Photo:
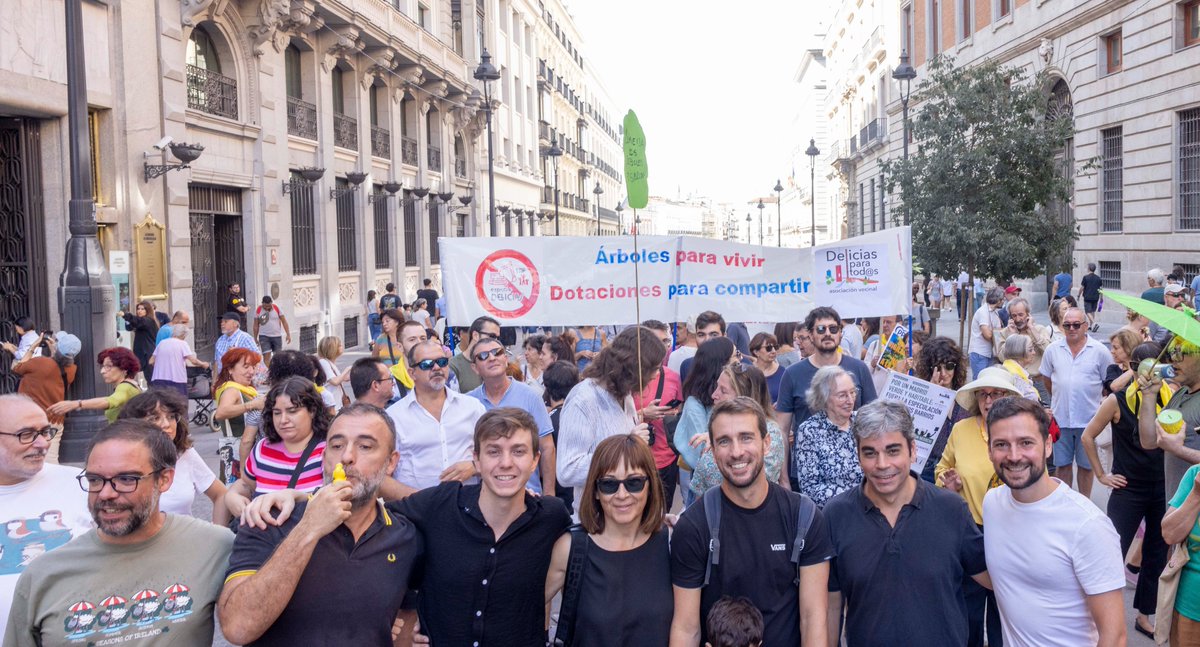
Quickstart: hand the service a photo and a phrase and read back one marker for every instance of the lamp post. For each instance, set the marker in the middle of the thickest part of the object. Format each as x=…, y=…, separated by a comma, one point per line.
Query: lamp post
x=812, y=153
x=86, y=297
x=779, y=212
x=554, y=152
x=761, y=206
x=597, y=192
x=904, y=74
x=486, y=72
x=747, y=227
x=621, y=217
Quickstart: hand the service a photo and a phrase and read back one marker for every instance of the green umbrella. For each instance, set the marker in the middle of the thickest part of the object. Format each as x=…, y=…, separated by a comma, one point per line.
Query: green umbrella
x=1181, y=322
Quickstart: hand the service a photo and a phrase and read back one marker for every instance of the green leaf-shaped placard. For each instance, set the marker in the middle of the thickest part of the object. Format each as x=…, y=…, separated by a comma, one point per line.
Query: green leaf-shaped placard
x=636, y=170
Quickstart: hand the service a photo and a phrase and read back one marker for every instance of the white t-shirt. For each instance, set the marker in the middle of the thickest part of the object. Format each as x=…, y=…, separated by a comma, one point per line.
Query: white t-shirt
x=39, y=515
x=947, y=288
x=192, y=477
x=1044, y=558
x=679, y=355
x=984, y=316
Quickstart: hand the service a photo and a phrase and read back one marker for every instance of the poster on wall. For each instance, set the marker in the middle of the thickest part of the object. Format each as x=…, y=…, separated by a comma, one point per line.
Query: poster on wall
x=118, y=269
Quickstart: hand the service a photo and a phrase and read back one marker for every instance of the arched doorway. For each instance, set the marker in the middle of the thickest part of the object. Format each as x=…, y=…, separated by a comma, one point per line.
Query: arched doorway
x=1060, y=106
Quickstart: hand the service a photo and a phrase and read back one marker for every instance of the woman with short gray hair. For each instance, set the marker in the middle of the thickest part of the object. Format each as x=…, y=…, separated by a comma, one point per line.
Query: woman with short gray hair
x=824, y=450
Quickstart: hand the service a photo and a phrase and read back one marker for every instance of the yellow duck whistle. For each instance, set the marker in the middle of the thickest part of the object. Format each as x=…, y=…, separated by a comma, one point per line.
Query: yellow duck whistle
x=339, y=473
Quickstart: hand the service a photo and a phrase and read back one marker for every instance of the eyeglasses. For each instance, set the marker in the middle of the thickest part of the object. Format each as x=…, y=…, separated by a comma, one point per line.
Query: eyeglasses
x=946, y=367
x=846, y=395
x=484, y=356
x=27, y=436
x=121, y=483
x=1175, y=353
x=832, y=329
x=991, y=395
x=1072, y=325
x=428, y=364
x=609, y=485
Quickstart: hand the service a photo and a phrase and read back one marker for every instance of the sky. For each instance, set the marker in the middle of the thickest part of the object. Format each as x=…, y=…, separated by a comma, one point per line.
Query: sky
x=711, y=82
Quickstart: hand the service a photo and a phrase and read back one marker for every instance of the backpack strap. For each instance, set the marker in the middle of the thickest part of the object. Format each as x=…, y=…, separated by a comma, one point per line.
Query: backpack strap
x=576, y=561
x=808, y=510
x=712, y=515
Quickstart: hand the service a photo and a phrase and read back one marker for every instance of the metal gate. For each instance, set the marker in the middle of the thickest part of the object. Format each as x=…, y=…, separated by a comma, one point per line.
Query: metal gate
x=23, y=288
x=217, y=260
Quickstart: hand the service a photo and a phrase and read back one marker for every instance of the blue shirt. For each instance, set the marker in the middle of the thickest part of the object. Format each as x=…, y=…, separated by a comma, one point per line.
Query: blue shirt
x=164, y=332
x=239, y=339
x=523, y=397
x=1064, y=284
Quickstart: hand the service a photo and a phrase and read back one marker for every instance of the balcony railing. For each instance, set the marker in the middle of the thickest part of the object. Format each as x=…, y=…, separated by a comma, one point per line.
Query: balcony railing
x=302, y=118
x=460, y=167
x=381, y=142
x=544, y=131
x=408, y=150
x=211, y=92
x=345, y=131
x=434, y=159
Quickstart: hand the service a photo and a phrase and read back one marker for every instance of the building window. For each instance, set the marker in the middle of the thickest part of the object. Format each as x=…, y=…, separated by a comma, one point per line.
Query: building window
x=304, y=228
x=350, y=332
x=1189, y=169
x=862, y=209
x=338, y=81
x=346, y=234
x=208, y=90
x=1190, y=270
x=966, y=22
x=1191, y=22
x=906, y=29
x=1112, y=182
x=410, y=229
x=461, y=225
x=882, y=203
x=308, y=338
x=94, y=137
x=1112, y=52
x=933, y=35
x=1003, y=8
x=291, y=66
x=423, y=16
x=1110, y=275
x=383, y=243
x=874, y=217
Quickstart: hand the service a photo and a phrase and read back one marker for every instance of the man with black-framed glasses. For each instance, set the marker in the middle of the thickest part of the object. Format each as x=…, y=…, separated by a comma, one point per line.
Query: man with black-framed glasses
x=371, y=382
x=141, y=573
x=43, y=508
x=434, y=424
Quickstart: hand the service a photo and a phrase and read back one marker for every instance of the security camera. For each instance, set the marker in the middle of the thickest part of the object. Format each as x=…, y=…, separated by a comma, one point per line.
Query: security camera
x=164, y=142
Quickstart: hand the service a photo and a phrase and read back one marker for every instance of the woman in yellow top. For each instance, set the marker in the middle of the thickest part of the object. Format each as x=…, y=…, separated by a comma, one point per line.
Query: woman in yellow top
x=966, y=468
x=118, y=365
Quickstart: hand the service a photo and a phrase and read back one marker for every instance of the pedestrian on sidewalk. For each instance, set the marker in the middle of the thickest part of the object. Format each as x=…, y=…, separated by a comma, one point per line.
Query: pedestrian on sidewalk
x=1089, y=293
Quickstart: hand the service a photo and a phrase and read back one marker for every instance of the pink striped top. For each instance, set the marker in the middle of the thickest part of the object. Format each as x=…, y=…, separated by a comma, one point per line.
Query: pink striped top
x=271, y=466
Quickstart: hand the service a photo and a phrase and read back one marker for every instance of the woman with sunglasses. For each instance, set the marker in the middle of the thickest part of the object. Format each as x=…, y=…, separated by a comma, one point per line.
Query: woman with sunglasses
x=1137, y=481
x=624, y=593
x=941, y=362
x=966, y=468
x=741, y=380
x=167, y=410
x=118, y=367
x=765, y=350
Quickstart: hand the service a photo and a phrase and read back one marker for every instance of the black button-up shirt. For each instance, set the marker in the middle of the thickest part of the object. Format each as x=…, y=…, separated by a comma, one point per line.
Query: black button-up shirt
x=477, y=591
x=904, y=580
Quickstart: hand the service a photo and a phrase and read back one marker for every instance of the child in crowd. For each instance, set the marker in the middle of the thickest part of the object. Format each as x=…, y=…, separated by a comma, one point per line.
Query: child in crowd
x=734, y=622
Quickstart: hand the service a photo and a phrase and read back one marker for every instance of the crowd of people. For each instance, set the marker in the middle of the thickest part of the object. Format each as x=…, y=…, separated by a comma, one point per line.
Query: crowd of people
x=426, y=494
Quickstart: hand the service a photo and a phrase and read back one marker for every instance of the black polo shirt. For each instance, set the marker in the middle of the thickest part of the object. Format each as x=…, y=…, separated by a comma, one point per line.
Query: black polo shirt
x=476, y=591
x=907, y=580
x=349, y=593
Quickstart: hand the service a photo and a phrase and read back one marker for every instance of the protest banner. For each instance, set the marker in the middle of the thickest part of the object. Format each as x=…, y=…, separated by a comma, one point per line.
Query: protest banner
x=896, y=350
x=567, y=281
x=929, y=405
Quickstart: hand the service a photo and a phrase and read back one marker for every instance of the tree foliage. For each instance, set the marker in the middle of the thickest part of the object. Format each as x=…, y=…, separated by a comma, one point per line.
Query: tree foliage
x=982, y=172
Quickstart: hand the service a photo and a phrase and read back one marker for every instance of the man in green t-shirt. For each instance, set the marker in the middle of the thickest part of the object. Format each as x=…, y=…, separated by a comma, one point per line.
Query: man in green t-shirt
x=141, y=576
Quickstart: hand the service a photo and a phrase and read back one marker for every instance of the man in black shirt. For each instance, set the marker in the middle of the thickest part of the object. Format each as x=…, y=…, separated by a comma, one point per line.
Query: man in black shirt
x=903, y=546
x=340, y=555
x=757, y=532
x=430, y=295
x=235, y=302
x=1089, y=293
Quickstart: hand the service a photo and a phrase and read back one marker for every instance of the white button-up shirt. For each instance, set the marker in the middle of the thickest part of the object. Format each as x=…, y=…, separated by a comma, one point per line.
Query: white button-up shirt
x=1076, y=379
x=427, y=445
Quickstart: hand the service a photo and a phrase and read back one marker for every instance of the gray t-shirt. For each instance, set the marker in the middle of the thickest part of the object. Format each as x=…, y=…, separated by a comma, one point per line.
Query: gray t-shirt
x=268, y=321
x=158, y=592
x=1174, y=467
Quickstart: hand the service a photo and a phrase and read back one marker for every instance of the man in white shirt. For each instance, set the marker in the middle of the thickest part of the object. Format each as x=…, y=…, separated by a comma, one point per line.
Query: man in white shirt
x=435, y=425
x=43, y=506
x=1054, y=558
x=685, y=345
x=1073, y=370
x=983, y=326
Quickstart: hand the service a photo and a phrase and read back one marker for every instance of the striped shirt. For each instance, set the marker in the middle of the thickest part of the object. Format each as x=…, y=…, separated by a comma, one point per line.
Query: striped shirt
x=271, y=466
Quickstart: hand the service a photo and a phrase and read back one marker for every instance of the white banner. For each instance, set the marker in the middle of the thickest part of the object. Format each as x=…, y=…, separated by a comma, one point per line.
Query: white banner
x=929, y=405
x=568, y=281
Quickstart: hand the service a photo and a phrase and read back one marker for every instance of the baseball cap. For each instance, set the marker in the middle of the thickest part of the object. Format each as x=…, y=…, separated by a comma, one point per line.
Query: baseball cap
x=231, y=316
x=1174, y=288
x=1012, y=289
x=68, y=344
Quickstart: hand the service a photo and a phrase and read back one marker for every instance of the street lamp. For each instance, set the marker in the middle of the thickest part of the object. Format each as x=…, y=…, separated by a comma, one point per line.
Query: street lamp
x=554, y=152
x=812, y=153
x=761, y=206
x=779, y=212
x=597, y=192
x=904, y=74
x=621, y=216
x=486, y=72
x=747, y=227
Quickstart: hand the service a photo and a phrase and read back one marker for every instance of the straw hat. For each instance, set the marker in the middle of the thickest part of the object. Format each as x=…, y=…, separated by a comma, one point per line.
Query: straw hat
x=992, y=377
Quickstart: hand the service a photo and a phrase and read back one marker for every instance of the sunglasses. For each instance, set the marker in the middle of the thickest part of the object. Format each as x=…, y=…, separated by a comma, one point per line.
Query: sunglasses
x=428, y=364
x=1176, y=353
x=947, y=367
x=832, y=329
x=633, y=484
x=770, y=348
x=484, y=356
x=1072, y=325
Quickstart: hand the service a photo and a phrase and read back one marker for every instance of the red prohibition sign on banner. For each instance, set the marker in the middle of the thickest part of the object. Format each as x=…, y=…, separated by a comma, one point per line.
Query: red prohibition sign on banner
x=507, y=284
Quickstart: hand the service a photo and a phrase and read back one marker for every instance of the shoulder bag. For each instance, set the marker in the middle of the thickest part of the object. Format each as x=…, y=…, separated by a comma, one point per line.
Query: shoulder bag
x=1168, y=587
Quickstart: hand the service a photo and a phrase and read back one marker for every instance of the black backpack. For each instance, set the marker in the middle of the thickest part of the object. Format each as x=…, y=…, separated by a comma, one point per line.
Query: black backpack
x=712, y=515
x=576, y=561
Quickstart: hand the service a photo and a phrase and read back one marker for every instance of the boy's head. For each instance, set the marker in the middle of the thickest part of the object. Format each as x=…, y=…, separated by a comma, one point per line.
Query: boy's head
x=734, y=622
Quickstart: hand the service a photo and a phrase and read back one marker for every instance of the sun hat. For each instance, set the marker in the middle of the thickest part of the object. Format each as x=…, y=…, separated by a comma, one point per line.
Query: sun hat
x=68, y=344
x=992, y=377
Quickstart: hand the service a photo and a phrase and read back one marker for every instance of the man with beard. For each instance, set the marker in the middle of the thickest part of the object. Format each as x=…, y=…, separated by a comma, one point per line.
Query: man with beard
x=32, y=492
x=134, y=548
x=757, y=542
x=1020, y=322
x=1048, y=547
x=878, y=528
x=339, y=555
